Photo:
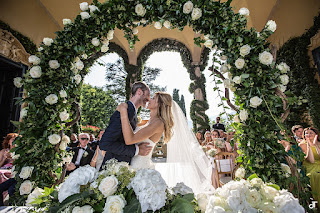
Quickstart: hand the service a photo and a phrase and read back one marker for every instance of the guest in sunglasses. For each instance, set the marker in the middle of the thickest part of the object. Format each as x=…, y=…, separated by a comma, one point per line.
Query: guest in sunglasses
x=82, y=154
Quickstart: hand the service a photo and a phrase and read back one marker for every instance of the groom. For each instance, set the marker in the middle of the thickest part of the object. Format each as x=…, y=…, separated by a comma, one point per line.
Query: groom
x=112, y=142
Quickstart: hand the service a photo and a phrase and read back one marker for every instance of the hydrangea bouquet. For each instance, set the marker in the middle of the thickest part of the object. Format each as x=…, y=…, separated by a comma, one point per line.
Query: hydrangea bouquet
x=220, y=143
x=115, y=189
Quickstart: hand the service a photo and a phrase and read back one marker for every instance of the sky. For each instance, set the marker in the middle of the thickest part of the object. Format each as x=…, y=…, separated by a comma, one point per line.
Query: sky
x=173, y=75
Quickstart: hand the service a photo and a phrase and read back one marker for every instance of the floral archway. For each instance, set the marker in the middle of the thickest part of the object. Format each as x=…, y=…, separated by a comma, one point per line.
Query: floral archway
x=53, y=83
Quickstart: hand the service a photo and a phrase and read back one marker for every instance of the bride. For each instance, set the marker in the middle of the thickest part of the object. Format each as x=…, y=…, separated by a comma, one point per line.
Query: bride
x=186, y=162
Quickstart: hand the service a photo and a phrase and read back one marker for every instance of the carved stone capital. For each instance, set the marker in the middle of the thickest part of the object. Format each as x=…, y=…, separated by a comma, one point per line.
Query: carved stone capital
x=11, y=48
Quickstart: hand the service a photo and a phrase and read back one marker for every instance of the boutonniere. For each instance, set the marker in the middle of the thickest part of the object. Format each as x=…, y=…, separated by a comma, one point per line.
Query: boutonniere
x=85, y=154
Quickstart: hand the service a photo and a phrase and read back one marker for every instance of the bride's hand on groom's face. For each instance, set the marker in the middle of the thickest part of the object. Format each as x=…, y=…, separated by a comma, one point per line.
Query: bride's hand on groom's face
x=123, y=107
x=144, y=149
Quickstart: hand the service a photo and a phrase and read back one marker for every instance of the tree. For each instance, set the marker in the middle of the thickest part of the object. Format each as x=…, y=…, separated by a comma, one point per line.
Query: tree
x=180, y=101
x=116, y=75
x=97, y=106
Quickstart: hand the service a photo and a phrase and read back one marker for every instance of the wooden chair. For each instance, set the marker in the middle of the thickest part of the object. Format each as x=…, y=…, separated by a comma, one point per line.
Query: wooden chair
x=224, y=164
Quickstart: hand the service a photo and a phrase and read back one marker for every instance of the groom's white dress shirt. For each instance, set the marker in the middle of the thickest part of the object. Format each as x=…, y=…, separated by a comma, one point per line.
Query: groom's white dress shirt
x=80, y=153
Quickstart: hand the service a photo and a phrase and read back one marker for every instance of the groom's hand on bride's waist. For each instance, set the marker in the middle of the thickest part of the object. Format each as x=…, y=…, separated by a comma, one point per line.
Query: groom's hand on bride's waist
x=144, y=149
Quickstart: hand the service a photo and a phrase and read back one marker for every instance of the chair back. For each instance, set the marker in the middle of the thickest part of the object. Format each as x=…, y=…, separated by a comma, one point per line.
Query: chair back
x=224, y=164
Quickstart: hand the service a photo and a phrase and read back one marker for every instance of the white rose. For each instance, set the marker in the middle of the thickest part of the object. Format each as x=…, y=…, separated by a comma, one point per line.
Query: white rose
x=223, y=57
x=35, y=72
x=283, y=67
x=258, y=34
x=54, y=64
x=265, y=58
x=47, y=41
x=240, y=173
x=17, y=82
x=63, y=94
x=23, y=113
x=256, y=182
x=271, y=25
x=286, y=169
x=135, y=31
x=244, y=11
x=65, y=139
x=140, y=10
x=52, y=99
x=208, y=43
x=202, y=199
x=196, y=14
x=245, y=50
x=284, y=79
x=40, y=49
x=167, y=24
x=77, y=78
x=217, y=201
x=36, y=193
x=268, y=207
x=157, y=25
x=243, y=115
x=95, y=42
x=64, y=115
x=227, y=83
x=79, y=65
x=114, y=204
x=25, y=187
x=26, y=172
x=84, y=6
x=54, y=139
x=85, y=15
x=33, y=59
x=187, y=7
x=255, y=101
x=110, y=34
x=63, y=145
x=282, y=88
x=93, y=8
x=104, y=48
x=67, y=159
x=66, y=21
x=236, y=119
x=253, y=197
x=77, y=209
x=206, y=37
x=143, y=21
x=108, y=185
x=224, y=68
x=239, y=63
x=237, y=79
x=84, y=56
x=269, y=192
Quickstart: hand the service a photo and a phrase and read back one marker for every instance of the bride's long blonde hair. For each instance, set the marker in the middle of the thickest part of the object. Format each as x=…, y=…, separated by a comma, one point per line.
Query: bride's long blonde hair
x=164, y=112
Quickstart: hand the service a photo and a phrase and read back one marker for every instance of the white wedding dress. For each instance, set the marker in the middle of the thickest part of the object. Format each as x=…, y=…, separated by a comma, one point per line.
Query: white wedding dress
x=186, y=161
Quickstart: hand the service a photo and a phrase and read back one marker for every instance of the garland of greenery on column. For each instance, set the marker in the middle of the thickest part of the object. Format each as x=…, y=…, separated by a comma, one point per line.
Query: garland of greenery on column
x=197, y=108
x=303, y=84
x=26, y=42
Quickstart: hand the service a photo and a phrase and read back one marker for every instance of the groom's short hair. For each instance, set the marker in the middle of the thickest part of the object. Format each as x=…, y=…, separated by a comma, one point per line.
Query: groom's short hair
x=138, y=85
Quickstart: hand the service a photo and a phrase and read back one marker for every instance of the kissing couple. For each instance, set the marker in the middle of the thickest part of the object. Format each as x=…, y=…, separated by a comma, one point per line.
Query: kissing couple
x=122, y=140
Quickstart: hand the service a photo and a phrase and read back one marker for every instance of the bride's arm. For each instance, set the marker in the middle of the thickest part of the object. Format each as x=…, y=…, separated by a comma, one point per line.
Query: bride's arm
x=129, y=136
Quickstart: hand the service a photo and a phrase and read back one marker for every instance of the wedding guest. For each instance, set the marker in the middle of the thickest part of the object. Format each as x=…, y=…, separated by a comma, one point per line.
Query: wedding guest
x=82, y=154
x=74, y=140
x=207, y=138
x=222, y=134
x=297, y=131
x=199, y=137
x=93, y=142
x=229, y=138
x=5, y=155
x=218, y=125
x=311, y=147
x=8, y=185
x=97, y=159
x=214, y=135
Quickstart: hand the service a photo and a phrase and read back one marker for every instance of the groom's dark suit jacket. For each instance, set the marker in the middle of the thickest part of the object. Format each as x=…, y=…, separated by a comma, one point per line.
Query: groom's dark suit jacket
x=112, y=140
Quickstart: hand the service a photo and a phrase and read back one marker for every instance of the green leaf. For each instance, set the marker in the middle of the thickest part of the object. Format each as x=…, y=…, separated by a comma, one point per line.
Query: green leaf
x=253, y=176
x=274, y=186
x=239, y=39
x=245, y=75
x=181, y=205
x=15, y=123
x=69, y=201
x=189, y=197
x=229, y=42
x=133, y=206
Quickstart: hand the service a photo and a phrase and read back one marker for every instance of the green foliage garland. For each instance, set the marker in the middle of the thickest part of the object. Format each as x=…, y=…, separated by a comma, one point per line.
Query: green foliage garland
x=88, y=34
x=295, y=53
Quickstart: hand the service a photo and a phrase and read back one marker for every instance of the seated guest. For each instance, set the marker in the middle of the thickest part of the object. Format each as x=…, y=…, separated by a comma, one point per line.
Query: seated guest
x=222, y=134
x=214, y=135
x=229, y=138
x=199, y=137
x=93, y=142
x=74, y=140
x=207, y=138
x=218, y=125
x=8, y=185
x=311, y=147
x=82, y=154
x=5, y=155
x=297, y=131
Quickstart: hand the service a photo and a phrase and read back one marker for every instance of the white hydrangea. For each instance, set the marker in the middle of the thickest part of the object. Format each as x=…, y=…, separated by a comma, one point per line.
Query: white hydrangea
x=245, y=50
x=18, y=82
x=255, y=101
x=47, y=41
x=84, y=6
x=284, y=79
x=265, y=58
x=244, y=11
x=269, y=192
x=239, y=63
x=254, y=198
x=182, y=189
x=66, y=21
x=54, y=139
x=33, y=59
x=54, y=64
x=140, y=10
x=157, y=25
x=282, y=88
x=240, y=173
x=196, y=14
x=243, y=115
x=51, y=99
x=35, y=72
x=271, y=25
x=84, y=15
x=95, y=42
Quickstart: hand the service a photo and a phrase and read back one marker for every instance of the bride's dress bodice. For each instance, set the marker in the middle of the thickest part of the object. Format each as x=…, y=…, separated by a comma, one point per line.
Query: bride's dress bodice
x=143, y=162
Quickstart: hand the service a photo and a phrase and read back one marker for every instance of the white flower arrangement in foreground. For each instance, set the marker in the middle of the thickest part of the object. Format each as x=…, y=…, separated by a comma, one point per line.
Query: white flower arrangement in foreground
x=252, y=196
